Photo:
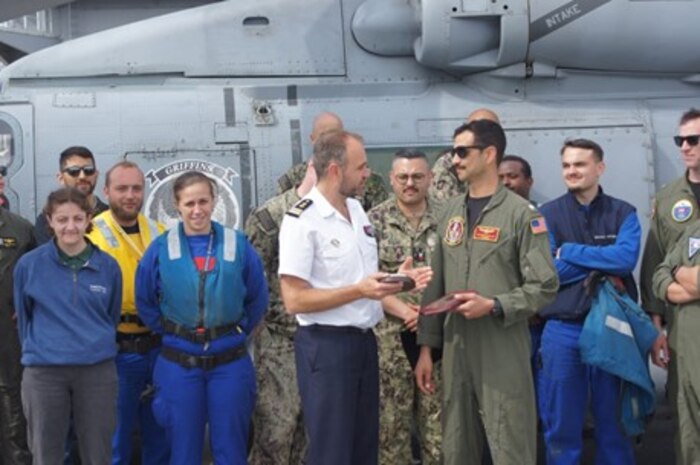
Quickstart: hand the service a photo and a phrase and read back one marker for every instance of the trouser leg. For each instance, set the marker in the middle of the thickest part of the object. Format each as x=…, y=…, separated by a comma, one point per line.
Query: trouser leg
x=180, y=407
x=612, y=446
x=366, y=432
x=563, y=393
x=429, y=420
x=13, y=426
x=130, y=371
x=688, y=411
x=95, y=410
x=230, y=401
x=155, y=449
x=46, y=401
x=277, y=415
x=334, y=374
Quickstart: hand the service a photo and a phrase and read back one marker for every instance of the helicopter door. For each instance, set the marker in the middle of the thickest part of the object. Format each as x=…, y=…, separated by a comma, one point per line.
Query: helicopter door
x=231, y=168
x=16, y=152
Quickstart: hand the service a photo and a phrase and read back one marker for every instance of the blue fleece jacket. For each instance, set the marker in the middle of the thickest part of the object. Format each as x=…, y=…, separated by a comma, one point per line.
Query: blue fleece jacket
x=67, y=317
x=149, y=292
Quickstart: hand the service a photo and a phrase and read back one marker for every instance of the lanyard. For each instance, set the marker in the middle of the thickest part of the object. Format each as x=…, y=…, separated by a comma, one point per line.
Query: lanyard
x=126, y=237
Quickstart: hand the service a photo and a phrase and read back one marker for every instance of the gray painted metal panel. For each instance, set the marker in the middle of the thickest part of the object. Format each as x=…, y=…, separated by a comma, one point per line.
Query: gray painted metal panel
x=10, y=9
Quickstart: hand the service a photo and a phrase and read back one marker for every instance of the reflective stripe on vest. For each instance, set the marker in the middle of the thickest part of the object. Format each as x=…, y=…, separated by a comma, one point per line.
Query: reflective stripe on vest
x=107, y=232
x=230, y=241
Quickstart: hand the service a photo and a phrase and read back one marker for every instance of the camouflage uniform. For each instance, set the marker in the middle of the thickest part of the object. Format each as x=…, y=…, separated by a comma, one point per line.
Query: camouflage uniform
x=397, y=240
x=278, y=429
x=375, y=191
x=445, y=183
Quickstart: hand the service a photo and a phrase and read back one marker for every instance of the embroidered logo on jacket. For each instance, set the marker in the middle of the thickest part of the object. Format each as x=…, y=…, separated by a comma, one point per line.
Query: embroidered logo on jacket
x=455, y=231
x=486, y=233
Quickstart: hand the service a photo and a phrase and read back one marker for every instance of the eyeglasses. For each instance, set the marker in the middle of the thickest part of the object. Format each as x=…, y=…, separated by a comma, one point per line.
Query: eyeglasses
x=691, y=140
x=415, y=177
x=74, y=171
x=3, y=171
x=463, y=150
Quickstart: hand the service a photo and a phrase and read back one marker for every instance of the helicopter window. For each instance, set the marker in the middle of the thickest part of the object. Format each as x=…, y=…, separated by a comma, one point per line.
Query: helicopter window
x=6, y=143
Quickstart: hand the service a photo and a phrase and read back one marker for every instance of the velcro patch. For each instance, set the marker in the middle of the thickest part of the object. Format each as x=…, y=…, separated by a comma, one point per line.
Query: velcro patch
x=266, y=222
x=299, y=207
x=486, y=233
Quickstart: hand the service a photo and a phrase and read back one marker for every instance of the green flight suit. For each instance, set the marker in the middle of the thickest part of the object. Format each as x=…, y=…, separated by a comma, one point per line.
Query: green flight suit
x=486, y=361
x=397, y=240
x=277, y=423
x=445, y=184
x=683, y=340
x=375, y=190
x=16, y=238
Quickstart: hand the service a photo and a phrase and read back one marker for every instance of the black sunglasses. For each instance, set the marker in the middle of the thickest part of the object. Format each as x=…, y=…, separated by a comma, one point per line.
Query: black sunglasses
x=74, y=171
x=3, y=171
x=691, y=140
x=463, y=150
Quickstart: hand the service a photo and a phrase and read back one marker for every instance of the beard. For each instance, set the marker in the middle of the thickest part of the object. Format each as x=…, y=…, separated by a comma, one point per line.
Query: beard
x=125, y=216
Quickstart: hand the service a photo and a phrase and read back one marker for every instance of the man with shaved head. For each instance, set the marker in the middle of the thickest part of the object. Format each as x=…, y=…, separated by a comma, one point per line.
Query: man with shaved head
x=445, y=183
x=375, y=191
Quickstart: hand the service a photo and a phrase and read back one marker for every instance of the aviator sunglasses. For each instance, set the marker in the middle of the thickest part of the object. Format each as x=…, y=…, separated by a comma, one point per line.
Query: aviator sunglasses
x=463, y=150
x=74, y=171
x=691, y=140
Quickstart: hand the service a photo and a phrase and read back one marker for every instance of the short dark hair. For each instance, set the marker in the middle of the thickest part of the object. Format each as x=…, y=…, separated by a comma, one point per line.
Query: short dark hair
x=486, y=133
x=690, y=115
x=410, y=154
x=192, y=177
x=526, y=168
x=122, y=164
x=68, y=195
x=584, y=144
x=75, y=151
x=332, y=147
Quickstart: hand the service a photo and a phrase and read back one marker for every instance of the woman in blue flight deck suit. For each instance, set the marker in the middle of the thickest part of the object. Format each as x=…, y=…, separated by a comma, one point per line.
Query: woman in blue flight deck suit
x=202, y=286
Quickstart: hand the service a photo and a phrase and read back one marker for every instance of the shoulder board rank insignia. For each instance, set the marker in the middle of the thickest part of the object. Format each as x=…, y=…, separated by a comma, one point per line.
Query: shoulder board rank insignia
x=8, y=242
x=266, y=222
x=486, y=233
x=538, y=225
x=454, y=233
x=682, y=211
x=693, y=246
x=299, y=207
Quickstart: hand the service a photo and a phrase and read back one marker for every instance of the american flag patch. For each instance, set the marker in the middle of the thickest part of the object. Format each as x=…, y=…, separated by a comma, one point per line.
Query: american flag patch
x=538, y=226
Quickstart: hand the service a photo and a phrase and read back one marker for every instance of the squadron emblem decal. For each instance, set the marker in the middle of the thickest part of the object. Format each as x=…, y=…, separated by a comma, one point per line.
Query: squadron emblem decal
x=682, y=210
x=455, y=231
x=160, y=204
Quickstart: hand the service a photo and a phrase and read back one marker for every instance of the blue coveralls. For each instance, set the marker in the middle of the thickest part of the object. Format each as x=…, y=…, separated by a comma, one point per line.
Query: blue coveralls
x=234, y=291
x=605, y=236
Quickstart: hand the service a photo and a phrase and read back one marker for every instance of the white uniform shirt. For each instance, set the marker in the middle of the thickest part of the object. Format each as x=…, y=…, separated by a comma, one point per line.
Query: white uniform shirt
x=324, y=249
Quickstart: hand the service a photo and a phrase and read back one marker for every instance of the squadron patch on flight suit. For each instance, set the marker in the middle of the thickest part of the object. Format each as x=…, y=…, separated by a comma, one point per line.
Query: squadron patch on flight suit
x=266, y=221
x=486, y=233
x=682, y=211
x=693, y=246
x=8, y=242
x=455, y=231
x=299, y=207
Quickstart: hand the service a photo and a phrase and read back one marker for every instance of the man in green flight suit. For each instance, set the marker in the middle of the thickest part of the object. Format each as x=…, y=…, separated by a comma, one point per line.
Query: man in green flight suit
x=279, y=435
x=375, y=190
x=494, y=251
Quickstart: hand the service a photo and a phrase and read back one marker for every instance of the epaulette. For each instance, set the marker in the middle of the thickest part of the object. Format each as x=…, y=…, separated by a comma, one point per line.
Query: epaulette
x=299, y=207
x=266, y=222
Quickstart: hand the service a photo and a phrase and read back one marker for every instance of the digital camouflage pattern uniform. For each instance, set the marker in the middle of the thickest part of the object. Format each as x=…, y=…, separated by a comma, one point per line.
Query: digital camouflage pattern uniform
x=279, y=436
x=675, y=208
x=16, y=238
x=375, y=190
x=397, y=240
x=486, y=370
x=445, y=184
x=683, y=339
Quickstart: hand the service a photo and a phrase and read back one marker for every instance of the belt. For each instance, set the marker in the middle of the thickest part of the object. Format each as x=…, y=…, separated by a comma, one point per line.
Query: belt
x=131, y=318
x=138, y=343
x=337, y=329
x=200, y=335
x=205, y=362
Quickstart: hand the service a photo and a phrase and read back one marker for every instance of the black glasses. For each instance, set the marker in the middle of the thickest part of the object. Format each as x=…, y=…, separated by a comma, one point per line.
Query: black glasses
x=463, y=150
x=691, y=140
x=3, y=171
x=403, y=178
x=74, y=171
